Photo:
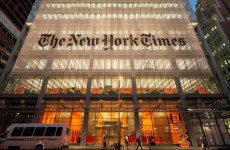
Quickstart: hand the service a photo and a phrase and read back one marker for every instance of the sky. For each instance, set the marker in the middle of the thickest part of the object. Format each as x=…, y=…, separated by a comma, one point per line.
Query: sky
x=193, y=3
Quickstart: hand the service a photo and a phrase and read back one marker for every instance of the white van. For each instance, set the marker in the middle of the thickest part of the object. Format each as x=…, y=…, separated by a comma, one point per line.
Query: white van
x=35, y=136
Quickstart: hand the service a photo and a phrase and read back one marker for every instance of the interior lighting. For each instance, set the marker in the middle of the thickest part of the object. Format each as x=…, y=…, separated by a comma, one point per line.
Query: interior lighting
x=166, y=82
x=152, y=84
x=31, y=83
x=63, y=83
x=55, y=82
x=95, y=82
x=158, y=83
x=77, y=84
x=127, y=85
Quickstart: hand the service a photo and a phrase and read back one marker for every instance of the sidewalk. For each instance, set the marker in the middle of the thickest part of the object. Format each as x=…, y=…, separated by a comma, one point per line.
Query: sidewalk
x=132, y=147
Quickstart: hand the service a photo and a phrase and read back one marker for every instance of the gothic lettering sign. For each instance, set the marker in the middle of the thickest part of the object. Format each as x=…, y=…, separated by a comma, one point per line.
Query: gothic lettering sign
x=109, y=41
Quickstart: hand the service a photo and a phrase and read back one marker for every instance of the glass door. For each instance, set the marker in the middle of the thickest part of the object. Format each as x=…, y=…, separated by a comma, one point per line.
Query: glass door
x=110, y=131
x=212, y=134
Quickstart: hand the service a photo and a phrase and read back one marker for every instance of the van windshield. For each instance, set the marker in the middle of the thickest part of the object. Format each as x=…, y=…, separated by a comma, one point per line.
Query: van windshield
x=4, y=135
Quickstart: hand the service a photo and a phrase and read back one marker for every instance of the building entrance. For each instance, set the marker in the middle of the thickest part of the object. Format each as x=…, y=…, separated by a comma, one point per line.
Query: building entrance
x=109, y=131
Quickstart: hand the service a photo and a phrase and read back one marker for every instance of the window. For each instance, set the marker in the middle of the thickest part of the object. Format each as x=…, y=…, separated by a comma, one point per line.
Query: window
x=39, y=131
x=111, y=85
x=50, y=131
x=17, y=131
x=29, y=85
x=28, y=131
x=156, y=64
x=67, y=85
x=199, y=86
x=155, y=85
x=59, y=131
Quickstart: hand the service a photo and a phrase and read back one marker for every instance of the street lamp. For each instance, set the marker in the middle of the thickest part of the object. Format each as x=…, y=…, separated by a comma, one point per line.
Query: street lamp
x=119, y=106
x=119, y=120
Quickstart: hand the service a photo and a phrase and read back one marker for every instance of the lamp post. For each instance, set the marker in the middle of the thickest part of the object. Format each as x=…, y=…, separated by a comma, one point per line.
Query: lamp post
x=119, y=120
x=119, y=107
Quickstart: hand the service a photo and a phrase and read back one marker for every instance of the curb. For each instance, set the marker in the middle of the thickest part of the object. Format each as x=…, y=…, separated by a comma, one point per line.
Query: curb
x=132, y=147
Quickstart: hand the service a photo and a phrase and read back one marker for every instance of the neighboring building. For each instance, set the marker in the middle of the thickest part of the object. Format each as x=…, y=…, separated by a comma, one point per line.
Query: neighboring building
x=214, y=20
x=13, y=14
x=123, y=67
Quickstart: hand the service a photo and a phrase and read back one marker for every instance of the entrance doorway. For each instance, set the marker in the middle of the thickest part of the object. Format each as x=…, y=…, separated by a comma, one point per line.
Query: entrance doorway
x=106, y=120
x=110, y=129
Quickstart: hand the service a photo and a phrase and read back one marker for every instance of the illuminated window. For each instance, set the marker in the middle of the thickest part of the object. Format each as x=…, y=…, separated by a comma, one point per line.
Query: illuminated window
x=29, y=85
x=111, y=64
x=39, y=64
x=199, y=85
x=67, y=85
x=156, y=64
x=70, y=64
x=111, y=85
x=155, y=85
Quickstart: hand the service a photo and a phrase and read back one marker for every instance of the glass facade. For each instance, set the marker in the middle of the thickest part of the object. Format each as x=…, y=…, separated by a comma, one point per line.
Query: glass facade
x=24, y=85
x=66, y=85
x=114, y=68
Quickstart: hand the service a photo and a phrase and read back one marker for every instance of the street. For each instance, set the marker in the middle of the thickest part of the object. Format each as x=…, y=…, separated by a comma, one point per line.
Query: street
x=132, y=147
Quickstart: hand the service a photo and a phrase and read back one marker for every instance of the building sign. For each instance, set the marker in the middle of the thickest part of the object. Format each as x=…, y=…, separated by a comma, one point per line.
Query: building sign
x=109, y=41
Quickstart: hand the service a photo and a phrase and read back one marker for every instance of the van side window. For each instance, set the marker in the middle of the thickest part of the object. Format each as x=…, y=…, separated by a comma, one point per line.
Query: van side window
x=28, y=131
x=17, y=131
x=39, y=131
x=59, y=131
x=50, y=131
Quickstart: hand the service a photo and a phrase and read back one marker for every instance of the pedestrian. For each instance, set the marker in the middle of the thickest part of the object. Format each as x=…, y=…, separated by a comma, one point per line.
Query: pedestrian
x=104, y=141
x=171, y=117
x=127, y=141
x=151, y=141
x=139, y=142
x=204, y=143
x=78, y=140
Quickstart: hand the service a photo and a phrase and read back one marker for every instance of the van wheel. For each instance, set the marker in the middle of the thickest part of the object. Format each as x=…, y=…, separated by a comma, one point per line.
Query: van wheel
x=39, y=147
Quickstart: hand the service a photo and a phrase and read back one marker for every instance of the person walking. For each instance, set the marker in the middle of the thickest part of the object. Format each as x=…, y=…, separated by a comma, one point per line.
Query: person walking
x=127, y=141
x=104, y=141
x=139, y=142
x=204, y=143
x=151, y=141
